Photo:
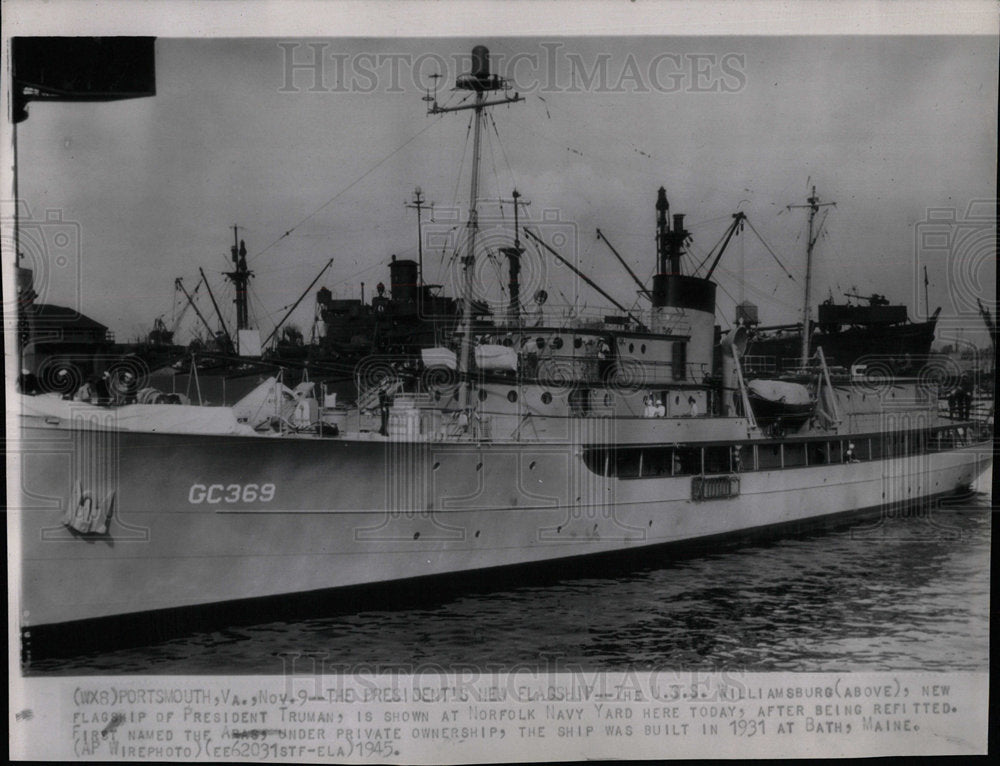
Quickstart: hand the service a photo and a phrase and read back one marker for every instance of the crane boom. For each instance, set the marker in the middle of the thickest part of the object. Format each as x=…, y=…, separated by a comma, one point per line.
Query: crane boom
x=583, y=276
x=186, y=306
x=191, y=303
x=642, y=288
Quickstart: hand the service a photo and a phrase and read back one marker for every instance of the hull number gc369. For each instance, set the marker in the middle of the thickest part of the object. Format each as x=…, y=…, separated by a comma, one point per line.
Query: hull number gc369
x=230, y=493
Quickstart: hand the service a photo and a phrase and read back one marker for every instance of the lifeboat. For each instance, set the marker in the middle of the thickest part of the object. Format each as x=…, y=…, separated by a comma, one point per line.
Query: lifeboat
x=779, y=401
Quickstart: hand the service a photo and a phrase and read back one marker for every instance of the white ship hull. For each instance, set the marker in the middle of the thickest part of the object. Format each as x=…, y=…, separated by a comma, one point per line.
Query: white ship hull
x=204, y=519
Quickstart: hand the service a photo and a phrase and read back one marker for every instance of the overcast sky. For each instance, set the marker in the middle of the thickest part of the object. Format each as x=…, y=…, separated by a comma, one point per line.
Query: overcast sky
x=888, y=127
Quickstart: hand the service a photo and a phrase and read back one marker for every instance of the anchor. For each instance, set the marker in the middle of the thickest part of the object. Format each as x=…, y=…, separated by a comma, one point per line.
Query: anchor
x=89, y=516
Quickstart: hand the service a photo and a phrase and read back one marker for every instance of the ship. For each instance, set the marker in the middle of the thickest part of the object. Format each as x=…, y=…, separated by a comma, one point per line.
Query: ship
x=847, y=332
x=522, y=444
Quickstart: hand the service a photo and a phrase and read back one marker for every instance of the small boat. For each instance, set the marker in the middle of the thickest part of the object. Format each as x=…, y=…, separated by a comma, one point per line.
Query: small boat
x=780, y=402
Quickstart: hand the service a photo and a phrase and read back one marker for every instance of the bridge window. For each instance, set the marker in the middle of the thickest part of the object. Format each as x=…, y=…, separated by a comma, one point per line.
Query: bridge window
x=628, y=463
x=863, y=449
x=717, y=459
x=817, y=453
x=795, y=454
x=657, y=461
x=599, y=461
x=687, y=461
x=875, y=446
x=836, y=453
x=769, y=456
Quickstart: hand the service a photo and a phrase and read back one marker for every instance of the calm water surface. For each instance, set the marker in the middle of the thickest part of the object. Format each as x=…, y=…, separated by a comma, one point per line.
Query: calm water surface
x=895, y=594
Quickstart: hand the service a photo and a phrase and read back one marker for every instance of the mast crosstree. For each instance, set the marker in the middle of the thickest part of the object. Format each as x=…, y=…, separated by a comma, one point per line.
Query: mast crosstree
x=480, y=82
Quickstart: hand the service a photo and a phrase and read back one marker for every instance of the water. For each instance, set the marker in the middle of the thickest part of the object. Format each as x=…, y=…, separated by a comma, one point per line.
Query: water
x=901, y=594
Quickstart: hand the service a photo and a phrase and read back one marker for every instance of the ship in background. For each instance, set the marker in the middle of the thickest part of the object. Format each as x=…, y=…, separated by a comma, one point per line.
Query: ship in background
x=848, y=333
x=530, y=443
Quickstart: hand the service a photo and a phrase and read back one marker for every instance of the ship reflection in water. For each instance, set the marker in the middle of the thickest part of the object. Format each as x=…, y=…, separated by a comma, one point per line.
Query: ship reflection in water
x=900, y=595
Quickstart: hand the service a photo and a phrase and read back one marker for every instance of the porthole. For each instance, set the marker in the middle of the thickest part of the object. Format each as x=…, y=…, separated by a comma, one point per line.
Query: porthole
x=436, y=466
x=512, y=396
x=631, y=348
x=531, y=465
x=577, y=342
x=557, y=342
x=546, y=397
x=416, y=535
x=540, y=342
x=642, y=348
x=479, y=466
x=477, y=533
x=482, y=394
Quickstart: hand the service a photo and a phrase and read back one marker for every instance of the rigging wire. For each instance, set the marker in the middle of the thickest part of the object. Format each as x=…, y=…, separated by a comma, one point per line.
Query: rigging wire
x=351, y=185
x=768, y=248
x=461, y=163
x=503, y=151
x=454, y=197
x=268, y=315
x=496, y=176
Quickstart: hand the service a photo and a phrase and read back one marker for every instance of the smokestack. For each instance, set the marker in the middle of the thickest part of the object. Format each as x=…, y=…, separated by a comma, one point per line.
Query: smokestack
x=676, y=243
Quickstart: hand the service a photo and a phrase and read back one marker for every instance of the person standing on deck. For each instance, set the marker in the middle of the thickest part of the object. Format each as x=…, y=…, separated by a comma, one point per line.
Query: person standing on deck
x=383, y=408
x=649, y=410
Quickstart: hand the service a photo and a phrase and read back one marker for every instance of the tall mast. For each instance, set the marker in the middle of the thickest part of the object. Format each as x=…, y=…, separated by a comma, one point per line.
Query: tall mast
x=480, y=82
x=814, y=205
x=240, y=277
x=418, y=204
x=513, y=255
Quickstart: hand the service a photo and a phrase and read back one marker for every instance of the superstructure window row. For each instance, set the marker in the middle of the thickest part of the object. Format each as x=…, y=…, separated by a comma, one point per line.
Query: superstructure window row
x=678, y=460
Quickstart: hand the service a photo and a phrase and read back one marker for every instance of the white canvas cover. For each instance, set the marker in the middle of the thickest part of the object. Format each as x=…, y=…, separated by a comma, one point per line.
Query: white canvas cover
x=151, y=418
x=439, y=357
x=271, y=398
x=248, y=342
x=782, y=391
x=490, y=356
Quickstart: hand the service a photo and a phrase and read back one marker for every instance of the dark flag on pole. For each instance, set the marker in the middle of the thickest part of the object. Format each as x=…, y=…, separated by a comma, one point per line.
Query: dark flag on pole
x=81, y=69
